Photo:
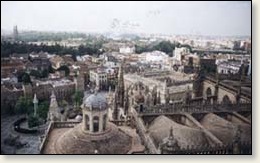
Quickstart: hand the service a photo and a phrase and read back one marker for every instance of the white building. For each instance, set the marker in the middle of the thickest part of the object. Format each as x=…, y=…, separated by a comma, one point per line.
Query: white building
x=98, y=76
x=127, y=50
x=83, y=58
x=179, y=53
x=226, y=67
x=157, y=57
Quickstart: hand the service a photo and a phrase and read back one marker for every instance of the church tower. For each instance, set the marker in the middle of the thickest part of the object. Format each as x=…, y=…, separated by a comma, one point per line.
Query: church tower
x=53, y=108
x=121, y=87
x=15, y=33
x=197, y=86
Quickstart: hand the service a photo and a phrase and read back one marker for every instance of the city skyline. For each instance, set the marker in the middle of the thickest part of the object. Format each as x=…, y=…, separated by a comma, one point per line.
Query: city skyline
x=200, y=18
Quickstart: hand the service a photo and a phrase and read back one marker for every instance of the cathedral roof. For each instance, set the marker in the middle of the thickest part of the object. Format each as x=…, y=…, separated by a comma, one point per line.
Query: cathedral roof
x=225, y=130
x=184, y=135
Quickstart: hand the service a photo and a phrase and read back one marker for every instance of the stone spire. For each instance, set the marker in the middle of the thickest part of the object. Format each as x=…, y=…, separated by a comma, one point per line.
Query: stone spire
x=171, y=145
x=76, y=82
x=170, y=135
x=126, y=104
x=167, y=96
x=197, y=82
x=217, y=84
x=165, y=85
x=166, y=92
x=109, y=90
x=238, y=92
x=53, y=107
x=148, y=99
x=146, y=90
x=187, y=96
x=115, y=110
x=35, y=102
x=121, y=87
x=96, y=90
x=154, y=95
x=172, y=142
x=53, y=102
x=159, y=98
x=236, y=141
x=238, y=134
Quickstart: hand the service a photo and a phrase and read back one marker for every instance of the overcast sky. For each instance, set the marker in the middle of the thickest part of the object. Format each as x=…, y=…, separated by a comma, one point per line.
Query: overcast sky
x=206, y=18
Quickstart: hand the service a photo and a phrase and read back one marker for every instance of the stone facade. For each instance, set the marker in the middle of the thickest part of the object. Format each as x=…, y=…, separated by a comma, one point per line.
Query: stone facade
x=210, y=97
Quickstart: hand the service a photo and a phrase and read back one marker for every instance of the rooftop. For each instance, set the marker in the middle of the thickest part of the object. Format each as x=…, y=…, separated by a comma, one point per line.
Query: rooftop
x=160, y=127
x=65, y=140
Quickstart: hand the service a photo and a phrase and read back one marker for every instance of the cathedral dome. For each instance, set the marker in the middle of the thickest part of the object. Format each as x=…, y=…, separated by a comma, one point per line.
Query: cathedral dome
x=96, y=102
x=76, y=141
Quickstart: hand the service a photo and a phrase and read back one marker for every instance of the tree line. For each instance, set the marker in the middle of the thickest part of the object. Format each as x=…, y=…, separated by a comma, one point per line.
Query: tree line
x=164, y=46
x=34, y=36
x=90, y=48
x=8, y=48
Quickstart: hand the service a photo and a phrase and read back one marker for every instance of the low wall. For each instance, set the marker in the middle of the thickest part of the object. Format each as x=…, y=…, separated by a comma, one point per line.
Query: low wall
x=17, y=127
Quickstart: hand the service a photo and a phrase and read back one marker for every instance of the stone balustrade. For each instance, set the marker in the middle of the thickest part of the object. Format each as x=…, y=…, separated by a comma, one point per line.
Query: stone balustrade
x=68, y=124
x=180, y=108
x=244, y=148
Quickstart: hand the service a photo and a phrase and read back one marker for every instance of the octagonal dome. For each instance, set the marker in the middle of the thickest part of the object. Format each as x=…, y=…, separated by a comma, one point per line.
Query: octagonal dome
x=96, y=101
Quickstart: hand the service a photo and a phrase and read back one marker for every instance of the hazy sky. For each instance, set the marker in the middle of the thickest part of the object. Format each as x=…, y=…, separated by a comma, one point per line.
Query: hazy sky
x=207, y=18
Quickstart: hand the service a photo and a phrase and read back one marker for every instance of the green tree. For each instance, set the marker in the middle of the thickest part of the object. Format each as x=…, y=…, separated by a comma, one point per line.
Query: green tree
x=92, y=47
x=43, y=110
x=26, y=78
x=33, y=121
x=165, y=46
x=23, y=105
x=35, y=73
x=44, y=73
x=187, y=46
x=77, y=98
x=140, y=49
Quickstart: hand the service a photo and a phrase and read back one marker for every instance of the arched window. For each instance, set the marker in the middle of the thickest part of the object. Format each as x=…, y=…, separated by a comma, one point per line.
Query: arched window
x=104, y=122
x=86, y=122
x=226, y=100
x=96, y=124
x=209, y=92
x=141, y=108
